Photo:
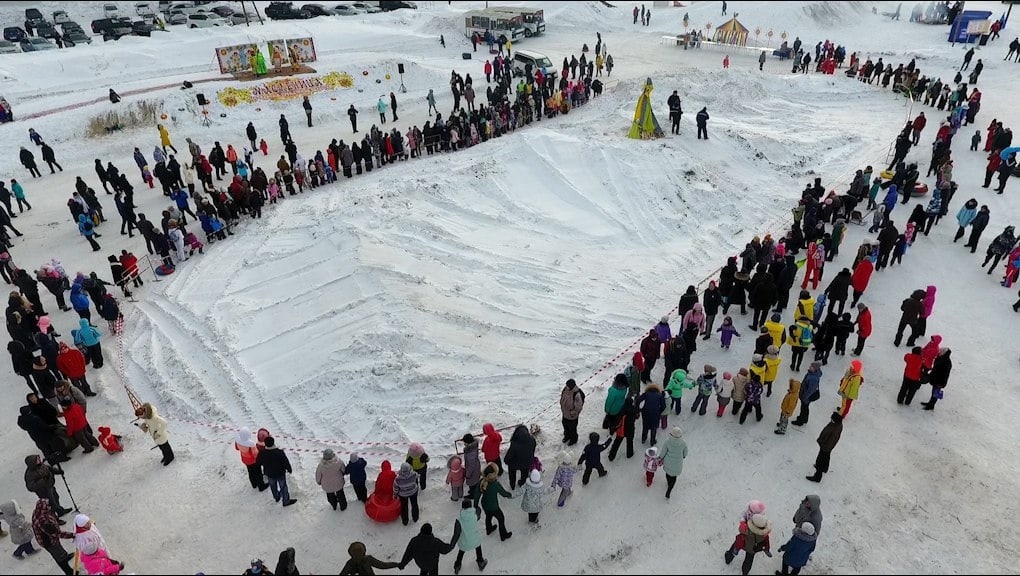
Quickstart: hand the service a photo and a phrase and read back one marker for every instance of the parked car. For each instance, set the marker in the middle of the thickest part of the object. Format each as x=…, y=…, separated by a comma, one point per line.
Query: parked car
x=14, y=34
x=346, y=10
x=66, y=27
x=110, y=10
x=59, y=17
x=34, y=16
x=8, y=47
x=286, y=11
x=142, y=28
x=318, y=10
x=366, y=7
x=111, y=28
x=223, y=11
x=143, y=9
x=37, y=45
x=175, y=17
x=206, y=20
x=388, y=5
x=76, y=36
x=537, y=60
x=45, y=30
x=238, y=18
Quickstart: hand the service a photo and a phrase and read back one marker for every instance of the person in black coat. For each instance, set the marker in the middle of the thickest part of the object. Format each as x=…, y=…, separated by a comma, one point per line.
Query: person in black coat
x=29, y=288
x=42, y=434
x=738, y=293
x=252, y=135
x=912, y=308
x=785, y=280
x=275, y=466
x=628, y=420
x=687, y=301
x=21, y=361
x=939, y=377
x=148, y=230
x=50, y=158
x=652, y=403
x=520, y=455
x=711, y=301
x=28, y=161
x=425, y=550
x=726, y=281
x=977, y=226
x=591, y=457
x=886, y=241
x=839, y=289
x=762, y=296
x=101, y=173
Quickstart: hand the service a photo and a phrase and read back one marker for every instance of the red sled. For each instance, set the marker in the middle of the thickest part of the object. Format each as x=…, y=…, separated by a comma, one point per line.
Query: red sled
x=919, y=190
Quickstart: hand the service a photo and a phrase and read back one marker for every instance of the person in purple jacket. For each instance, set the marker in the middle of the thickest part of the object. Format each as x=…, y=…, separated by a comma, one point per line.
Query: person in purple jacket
x=662, y=329
x=728, y=330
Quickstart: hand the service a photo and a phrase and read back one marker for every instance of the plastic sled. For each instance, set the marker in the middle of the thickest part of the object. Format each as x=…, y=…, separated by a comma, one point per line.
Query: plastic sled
x=164, y=270
x=919, y=190
x=887, y=174
x=382, y=510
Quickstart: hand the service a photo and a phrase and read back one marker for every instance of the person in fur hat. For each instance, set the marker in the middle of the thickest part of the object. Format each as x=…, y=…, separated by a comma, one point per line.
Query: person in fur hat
x=788, y=405
x=753, y=537
x=491, y=491
x=798, y=549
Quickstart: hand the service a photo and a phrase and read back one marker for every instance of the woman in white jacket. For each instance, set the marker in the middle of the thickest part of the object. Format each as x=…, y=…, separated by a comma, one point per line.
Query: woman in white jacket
x=177, y=237
x=155, y=426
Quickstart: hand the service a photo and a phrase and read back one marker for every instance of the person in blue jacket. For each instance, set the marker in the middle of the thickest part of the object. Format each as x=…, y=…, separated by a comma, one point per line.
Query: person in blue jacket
x=80, y=301
x=653, y=404
x=809, y=392
x=181, y=198
x=964, y=217
x=88, y=337
x=356, y=470
x=797, y=551
x=890, y=200
x=87, y=229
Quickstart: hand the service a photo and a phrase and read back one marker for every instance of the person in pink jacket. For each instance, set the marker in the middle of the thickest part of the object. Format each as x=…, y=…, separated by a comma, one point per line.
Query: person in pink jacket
x=930, y=351
x=1012, y=268
x=929, y=305
x=695, y=317
x=97, y=562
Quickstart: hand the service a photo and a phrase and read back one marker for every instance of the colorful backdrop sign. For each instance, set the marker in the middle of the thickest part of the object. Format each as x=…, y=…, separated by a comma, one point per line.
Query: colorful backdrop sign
x=234, y=59
x=303, y=48
x=282, y=89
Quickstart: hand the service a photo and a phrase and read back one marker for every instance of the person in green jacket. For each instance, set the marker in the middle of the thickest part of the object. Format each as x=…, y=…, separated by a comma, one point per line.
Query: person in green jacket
x=468, y=537
x=677, y=382
x=491, y=491
x=672, y=454
x=614, y=401
x=19, y=195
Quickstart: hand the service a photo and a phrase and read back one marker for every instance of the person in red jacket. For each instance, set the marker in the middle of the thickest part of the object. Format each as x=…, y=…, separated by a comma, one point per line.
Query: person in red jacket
x=78, y=425
x=918, y=126
x=491, y=444
x=109, y=441
x=232, y=156
x=249, y=450
x=860, y=278
x=71, y=363
x=911, y=376
x=994, y=161
x=863, y=327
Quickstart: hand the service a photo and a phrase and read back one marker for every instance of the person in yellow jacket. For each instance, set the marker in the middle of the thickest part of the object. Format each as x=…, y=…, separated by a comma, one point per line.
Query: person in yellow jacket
x=788, y=406
x=805, y=307
x=771, y=369
x=801, y=335
x=777, y=330
x=599, y=63
x=164, y=138
x=758, y=367
x=850, y=387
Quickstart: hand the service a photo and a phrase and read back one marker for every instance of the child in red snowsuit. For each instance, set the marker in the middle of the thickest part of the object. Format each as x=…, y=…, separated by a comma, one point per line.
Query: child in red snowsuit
x=109, y=441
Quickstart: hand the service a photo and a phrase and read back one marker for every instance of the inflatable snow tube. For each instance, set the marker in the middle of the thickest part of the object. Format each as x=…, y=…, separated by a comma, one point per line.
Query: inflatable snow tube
x=382, y=509
x=887, y=174
x=164, y=270
x=919, y=190
x=1011, y=150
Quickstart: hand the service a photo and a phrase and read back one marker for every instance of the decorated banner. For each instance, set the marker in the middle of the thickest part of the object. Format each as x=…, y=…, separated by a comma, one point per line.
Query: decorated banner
x=289, y=88
x=302, y=48
x=278, y=55
x=234, y=59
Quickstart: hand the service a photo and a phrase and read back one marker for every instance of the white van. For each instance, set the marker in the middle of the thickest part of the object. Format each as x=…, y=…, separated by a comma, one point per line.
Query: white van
x=538, y=62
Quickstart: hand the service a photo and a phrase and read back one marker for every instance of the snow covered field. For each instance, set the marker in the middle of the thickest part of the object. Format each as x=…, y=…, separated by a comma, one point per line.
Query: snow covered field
x=419, y=301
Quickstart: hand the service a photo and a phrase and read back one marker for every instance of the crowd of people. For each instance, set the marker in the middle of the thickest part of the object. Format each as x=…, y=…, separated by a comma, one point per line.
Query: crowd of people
x=761, y=278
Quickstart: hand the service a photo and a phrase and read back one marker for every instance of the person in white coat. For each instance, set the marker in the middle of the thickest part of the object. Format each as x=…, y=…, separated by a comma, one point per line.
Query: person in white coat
x=531, y=500
x=177, y=238
x=329, y=474
x=155, y=426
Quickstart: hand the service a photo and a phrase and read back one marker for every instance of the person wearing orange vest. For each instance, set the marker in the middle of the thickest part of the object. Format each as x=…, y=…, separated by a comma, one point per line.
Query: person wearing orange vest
x=232, y=158
x=245, y=444
x=850, y=387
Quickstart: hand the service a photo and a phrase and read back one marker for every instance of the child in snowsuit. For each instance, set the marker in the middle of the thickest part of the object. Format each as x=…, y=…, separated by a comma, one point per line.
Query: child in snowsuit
x=455, y=477
x=843, y=329
x=752, y=398
x=21, y=529
x=193, y=243
x=706, y=386
x=531, y=498
x=728, y=331
x=356, y=470
x=651, y=464
x=564, y=477
x=788, y=406
x=753, y=537
x=591, y=457
x=677, y=382
x=109, y=441
x=724, y=389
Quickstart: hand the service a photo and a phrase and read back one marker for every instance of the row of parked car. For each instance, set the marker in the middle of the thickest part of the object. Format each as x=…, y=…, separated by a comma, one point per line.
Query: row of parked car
x=287, y=10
